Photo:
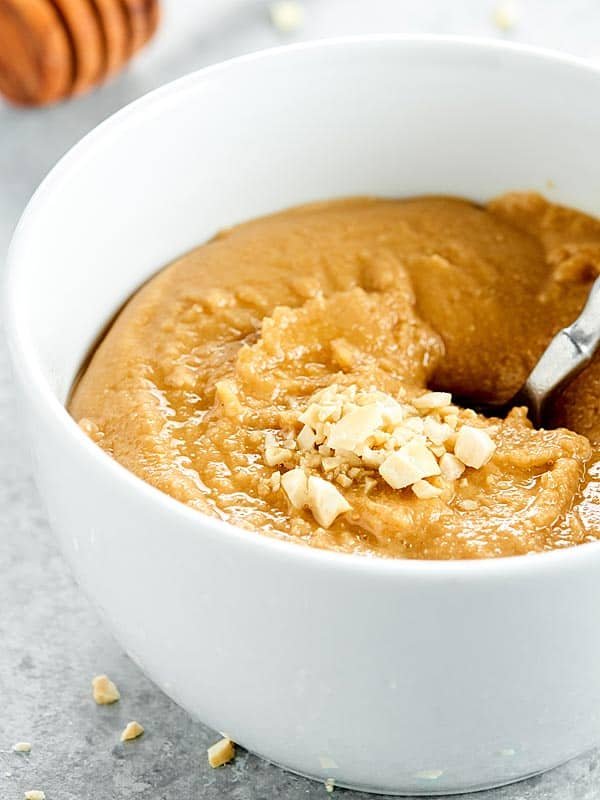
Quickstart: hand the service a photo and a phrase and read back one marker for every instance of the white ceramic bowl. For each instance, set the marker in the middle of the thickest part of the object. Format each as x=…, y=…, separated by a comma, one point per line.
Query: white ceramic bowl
x=394, y=676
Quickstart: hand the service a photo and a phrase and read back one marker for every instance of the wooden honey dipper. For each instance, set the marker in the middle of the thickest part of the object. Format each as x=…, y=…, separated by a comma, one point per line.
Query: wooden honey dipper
x=54, y=49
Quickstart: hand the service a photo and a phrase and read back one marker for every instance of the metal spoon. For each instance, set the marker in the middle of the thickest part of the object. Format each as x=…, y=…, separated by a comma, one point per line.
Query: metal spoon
x=567, y=354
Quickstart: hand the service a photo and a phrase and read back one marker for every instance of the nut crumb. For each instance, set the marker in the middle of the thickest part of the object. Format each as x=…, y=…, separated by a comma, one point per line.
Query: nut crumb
x=22, y=747
x=226, y=393
x=431, y=400
x=132, y=731
x=344, y=354
x=370, y=483
x=344, y=481
x=425, y=490
x=276, y=481
x=473, y=447
x=104, y=690
x=222, y=752
x=277, y=455
x=295, y=484
x=325, y=502
x=35, y=794
x=408, y=465
x=329, y=785
x=452, y=467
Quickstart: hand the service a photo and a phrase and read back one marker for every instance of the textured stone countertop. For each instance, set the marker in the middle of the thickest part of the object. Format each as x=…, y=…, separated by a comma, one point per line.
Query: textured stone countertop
x=51, y=640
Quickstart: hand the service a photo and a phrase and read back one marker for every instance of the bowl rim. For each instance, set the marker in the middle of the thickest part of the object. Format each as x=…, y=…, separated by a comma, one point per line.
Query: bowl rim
x=26, y=363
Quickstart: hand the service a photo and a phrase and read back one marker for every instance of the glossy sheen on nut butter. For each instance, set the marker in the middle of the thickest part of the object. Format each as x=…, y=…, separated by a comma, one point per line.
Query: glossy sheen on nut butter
x=431, y=292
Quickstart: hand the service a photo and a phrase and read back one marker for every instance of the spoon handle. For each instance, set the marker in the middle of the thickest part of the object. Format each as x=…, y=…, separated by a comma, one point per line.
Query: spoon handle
x=567, y=354
x=585, y=331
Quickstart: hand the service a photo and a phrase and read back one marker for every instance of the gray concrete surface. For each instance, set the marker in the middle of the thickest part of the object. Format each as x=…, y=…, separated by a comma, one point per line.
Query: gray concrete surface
x=51, y=641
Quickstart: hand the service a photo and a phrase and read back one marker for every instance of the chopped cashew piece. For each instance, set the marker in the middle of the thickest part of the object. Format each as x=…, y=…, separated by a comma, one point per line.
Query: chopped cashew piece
x=325, y=501
x=425, y=490
x=436, y=432
x=373, y=458
x=132, y=731
x=343, y=353
x=277, y=455
x=370, y=483
x=276, y=481
x=452, y=468
x=414, y=424
x=355, y=428
x=35, y=794
x=452, y=420
x=432, y=400
x=408, y=465
x=306, y=438
x=474, y=447
x=344, y=481
x=222, y=752
x=22, y=747
x=227, y=395
x=295, y=485
x=104, y=690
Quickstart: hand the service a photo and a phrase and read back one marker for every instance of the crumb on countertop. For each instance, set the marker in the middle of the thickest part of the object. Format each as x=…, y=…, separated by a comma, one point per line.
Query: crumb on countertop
x=222, y=752
x=104, y=690
x=132, y=731
x=22, y=747
x=35, y=794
